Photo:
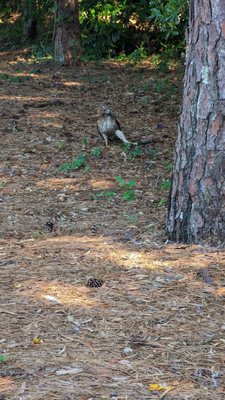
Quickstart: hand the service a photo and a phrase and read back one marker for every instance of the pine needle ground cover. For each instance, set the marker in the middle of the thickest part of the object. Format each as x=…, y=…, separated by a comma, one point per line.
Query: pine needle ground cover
x=94, y=303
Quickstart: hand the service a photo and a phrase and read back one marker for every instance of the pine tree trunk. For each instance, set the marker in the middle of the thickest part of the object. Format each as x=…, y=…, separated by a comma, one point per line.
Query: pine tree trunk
x=67, y=41
x=197, y=201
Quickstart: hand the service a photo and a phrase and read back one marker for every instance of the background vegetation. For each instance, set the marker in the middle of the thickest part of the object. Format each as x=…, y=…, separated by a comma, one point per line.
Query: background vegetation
x=109, y=28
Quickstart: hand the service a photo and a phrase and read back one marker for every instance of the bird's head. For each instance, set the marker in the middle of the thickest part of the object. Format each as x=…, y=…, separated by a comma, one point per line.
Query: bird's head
x=104, y=109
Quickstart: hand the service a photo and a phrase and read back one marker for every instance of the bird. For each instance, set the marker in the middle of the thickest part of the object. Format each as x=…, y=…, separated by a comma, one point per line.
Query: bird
x=108, y=125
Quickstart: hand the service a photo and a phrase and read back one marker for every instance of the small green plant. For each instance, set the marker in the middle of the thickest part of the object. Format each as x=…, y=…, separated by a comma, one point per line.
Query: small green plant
x=162, y=203
x=14, y=79
x=61, y=146
x=166, y=184
x=132, y=218
x=36, y=234
x=152, y=153
x=128, y=192
x=132, y=151
x=169, y=167
x=77, y=163
x=96, y=152
x=145, y=100
x=138, y=55
x=129, y=195
x=3, y=358
x=106, y=193
x=85, y=141
x=2, y=184
x=123, y=184
x=150, y=227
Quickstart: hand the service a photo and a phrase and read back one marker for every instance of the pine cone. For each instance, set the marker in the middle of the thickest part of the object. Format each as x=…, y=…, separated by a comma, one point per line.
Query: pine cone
x=94, y=282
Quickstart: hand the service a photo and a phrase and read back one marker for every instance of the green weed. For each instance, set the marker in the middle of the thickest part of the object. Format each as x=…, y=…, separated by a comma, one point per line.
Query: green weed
x=152, y=153
x=77, y=163
x=14, y=79
x=126, y=187
x=131, y=218
x=129, y=195
x=162, y=203
x=96, y=152
x=36, y=234
x=166, y=184
x=61, y=146
x=105, y=193
x=169, y=167
x=3, y=358
x=132, y=151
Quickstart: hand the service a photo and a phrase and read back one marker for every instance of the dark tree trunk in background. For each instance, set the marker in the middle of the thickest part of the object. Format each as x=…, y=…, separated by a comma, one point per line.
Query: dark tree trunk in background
x=67, y=41
x=30, y=20
x=197, y=202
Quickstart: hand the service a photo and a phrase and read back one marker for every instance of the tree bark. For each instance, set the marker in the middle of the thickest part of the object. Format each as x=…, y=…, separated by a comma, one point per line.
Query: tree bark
x=66, y=37
x=197, y=200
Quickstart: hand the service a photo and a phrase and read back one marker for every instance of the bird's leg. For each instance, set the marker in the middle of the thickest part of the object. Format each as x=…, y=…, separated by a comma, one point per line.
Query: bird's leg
x=105, y=139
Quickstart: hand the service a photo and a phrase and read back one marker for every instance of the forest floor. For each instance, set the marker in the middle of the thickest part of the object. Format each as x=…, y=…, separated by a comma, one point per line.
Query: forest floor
x=155, y=329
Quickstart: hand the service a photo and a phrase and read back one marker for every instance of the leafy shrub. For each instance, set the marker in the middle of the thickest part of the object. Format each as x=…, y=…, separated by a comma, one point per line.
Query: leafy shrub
x=169, y=16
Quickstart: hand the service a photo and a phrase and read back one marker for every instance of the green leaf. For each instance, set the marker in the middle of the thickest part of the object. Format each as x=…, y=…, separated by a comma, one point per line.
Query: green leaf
x=96, y=152
x=3, y=358
x=78, y=162
x=131, y=183
x=120, y=180
x=166, y=184
x=129, y=195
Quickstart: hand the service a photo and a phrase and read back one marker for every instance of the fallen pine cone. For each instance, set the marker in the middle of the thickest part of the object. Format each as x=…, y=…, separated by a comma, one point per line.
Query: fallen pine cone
x=94, y=282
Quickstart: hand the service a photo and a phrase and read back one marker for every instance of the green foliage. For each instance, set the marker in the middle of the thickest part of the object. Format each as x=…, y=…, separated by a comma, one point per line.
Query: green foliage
x=170, y=17
x=169, y=167
x=132, y=218
x=85, y=142
x=14, y=78
x=152, y=153
x=61, y=146
x=105, y=193
x=138, y=55
x=166, y=184
x=3, y=358
x=77, y=163
x=124, y=188
x=2, y=184
x=162, y=203
x=36, y=234
x=123, y=184
x=128, y=194
x=96, y=152
x=132, y=151
x=133, y=28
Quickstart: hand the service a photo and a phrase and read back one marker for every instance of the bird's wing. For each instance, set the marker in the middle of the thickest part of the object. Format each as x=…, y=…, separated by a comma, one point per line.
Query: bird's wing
x=99, y=128
x=116, y=122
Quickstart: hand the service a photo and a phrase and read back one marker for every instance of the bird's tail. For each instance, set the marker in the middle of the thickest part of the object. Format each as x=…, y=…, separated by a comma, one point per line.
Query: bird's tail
x=121, y=136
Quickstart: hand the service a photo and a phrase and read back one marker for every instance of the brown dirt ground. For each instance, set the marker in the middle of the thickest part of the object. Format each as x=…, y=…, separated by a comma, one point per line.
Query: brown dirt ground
x=159, y=317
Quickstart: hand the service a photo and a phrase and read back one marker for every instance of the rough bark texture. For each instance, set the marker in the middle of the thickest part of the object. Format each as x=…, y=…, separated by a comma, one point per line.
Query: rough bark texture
x=197, y=201
x=67, y=41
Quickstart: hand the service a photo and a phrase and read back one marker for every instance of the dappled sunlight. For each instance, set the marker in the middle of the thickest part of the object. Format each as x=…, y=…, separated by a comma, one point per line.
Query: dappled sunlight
x=101, y=183
x=55, y=292
x=12, y=19
x=7, y=384
x=72, y=184
x=27, y=74
x=24, y=98
x=72, y=83
x=105, y=250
